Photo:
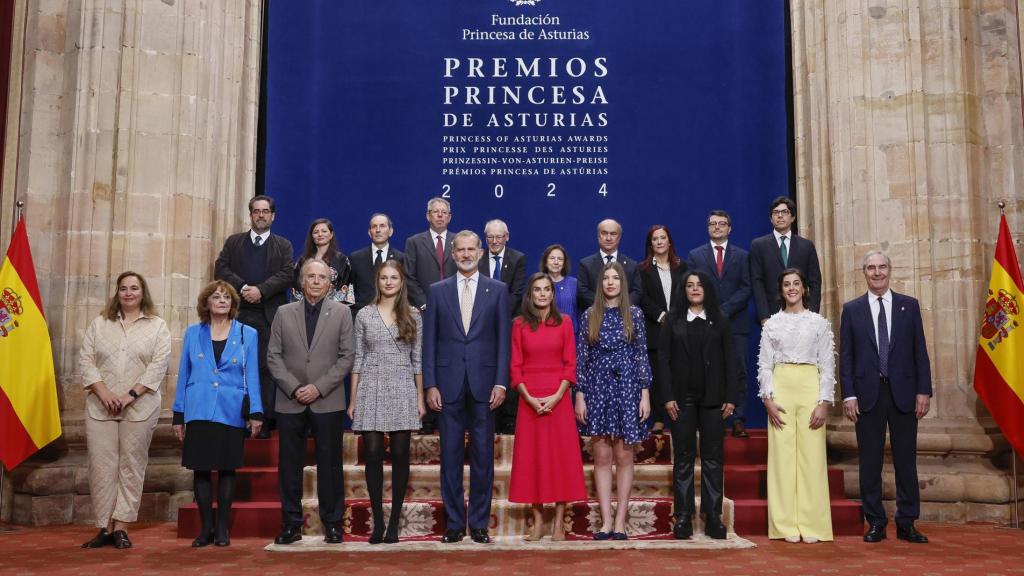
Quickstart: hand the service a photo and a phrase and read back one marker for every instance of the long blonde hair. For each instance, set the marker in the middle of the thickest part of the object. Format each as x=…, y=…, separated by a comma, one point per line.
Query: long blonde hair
x=597, y=310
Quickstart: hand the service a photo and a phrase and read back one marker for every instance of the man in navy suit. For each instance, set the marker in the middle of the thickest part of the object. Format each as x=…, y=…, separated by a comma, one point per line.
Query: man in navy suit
x=772, y=253
x=366, y=261
x=466, y=352
x=509, y=266
x=886, y=381
x=609, y=234
x=727, y=266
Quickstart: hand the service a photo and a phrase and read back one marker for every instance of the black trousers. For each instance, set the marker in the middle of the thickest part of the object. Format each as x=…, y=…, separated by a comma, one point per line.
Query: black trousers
x=257, y=320
x=707, y=421
x=902, y=426
x=330, y=488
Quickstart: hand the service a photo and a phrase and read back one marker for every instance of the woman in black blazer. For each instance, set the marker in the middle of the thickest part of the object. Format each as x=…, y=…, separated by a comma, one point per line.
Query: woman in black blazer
x=700, y=381
x=661, y=273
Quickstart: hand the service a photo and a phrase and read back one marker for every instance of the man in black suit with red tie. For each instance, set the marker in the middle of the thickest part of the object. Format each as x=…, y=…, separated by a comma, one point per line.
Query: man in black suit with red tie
x=772, y=253
x=728, y=267
x=886, y=383
x=366, y=261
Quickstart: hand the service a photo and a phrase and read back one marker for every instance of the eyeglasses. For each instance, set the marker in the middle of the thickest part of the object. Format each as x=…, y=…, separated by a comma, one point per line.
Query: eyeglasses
x=495, y=238
x=721, y=224
x=782, y=212
x=439, y=212
x=261, y=211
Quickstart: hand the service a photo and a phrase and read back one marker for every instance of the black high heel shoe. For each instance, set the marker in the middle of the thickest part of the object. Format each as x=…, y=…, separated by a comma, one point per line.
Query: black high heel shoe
x=205, y=538
x=391, y=537
x=378, y=534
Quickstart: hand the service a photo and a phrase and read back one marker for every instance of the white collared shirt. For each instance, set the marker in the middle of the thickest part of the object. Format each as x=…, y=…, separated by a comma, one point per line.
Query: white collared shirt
x=873, y=303
x=265, y=236
x=778, y=238
x=724, y=245
x=474, y=283
x=384, y=251
x=690, y=316
x=665, y=275
x=491, y=256
x=605, y=255
x=443, y=235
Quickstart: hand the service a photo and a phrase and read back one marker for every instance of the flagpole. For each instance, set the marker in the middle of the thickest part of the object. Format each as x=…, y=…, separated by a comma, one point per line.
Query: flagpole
x=1013, y=453
x=18, y=208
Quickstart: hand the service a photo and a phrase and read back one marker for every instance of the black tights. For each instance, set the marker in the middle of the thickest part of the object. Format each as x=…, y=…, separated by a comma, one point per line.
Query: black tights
x=202, y=483
x=373, y=443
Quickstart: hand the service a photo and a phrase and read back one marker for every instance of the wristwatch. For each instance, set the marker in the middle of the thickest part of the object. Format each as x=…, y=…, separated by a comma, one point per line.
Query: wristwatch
x=133, y=394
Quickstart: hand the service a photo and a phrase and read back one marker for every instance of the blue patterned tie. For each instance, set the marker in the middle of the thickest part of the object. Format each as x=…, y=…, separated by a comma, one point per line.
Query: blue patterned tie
x=497, y=268
x=883, y=340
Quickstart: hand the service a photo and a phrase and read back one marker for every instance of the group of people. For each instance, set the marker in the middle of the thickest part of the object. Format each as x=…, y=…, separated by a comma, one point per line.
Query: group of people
x=455, y=337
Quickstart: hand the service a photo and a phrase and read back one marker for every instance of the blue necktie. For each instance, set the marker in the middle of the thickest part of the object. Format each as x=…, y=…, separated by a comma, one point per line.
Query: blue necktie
x=497, y=268
x=883, y=340
x=258, y=241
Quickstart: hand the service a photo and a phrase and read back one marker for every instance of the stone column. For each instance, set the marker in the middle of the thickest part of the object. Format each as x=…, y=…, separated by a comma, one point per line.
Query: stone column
x=909, y=128
x=136, y=151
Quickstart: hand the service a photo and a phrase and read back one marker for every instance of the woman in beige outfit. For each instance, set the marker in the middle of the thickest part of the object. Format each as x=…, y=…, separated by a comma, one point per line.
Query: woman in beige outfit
x=123, y=362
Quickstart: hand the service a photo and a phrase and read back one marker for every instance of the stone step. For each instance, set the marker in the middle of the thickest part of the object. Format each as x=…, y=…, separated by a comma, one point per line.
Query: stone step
x=751, y=517
x=750, y=481
x=426, y=450
x=260, y=483
x=649, y=518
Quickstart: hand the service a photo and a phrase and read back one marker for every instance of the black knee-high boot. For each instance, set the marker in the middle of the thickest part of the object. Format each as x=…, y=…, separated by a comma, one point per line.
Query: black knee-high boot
x=373, y=443
x=399, y=481
x=202, y=488
x=225, y=495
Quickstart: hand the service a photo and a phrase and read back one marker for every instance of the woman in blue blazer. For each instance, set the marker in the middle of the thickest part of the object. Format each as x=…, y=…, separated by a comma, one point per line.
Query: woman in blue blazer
x=219, y=368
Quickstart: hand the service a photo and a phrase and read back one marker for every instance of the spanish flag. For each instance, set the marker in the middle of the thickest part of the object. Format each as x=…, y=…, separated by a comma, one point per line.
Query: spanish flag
x=998, y=374
x=29, y=418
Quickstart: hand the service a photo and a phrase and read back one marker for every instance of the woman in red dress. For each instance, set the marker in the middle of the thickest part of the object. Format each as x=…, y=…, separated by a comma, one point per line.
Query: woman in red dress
x=547, y=465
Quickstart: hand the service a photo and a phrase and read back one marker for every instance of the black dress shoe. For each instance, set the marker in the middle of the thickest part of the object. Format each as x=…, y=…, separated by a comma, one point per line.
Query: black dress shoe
x=908, y=533
x=288, y=535
x=875, y=533
x=332, y=535
x=480, y=536
x=713, y=527
x=222, y=540
x=391, y=537
x=377, y=536
x=739, y=429
x=205, y=538
x=683, y=528
x=453, y=536
x=121, y=541
x=101, y=539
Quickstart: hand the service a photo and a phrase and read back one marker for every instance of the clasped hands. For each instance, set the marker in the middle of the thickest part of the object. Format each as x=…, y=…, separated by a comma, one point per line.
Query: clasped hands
x=672, y=408
x=434, y=401
x=252, y=294
x=306, y=394
x=113, y=404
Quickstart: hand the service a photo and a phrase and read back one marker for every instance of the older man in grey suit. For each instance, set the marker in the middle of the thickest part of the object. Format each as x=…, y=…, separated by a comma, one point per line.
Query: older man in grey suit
x=311, y=351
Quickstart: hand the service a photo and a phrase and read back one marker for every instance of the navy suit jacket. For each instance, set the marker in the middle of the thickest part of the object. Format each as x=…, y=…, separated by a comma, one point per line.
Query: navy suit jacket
x=421, y=264
x=766, y=265
x=589, y=280
x=733, y=287
x=513, y=274
x=909, y=371
x=450, y=356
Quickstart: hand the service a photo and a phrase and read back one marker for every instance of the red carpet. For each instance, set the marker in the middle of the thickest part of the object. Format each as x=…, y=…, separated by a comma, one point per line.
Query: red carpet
x=955, y=549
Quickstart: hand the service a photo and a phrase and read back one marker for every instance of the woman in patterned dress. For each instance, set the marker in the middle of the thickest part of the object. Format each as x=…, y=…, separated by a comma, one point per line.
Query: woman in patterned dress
x=613, y=402
x=387, y=391
x=322, y=245
x=546, y=462
x=796, y=378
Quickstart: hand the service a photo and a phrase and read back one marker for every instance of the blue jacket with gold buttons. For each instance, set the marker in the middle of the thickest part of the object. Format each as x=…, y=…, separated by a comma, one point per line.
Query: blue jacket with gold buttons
x=211, y=390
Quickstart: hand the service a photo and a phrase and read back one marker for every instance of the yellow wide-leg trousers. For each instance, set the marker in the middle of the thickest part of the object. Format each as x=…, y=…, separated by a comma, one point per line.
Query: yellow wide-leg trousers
x=798, y=500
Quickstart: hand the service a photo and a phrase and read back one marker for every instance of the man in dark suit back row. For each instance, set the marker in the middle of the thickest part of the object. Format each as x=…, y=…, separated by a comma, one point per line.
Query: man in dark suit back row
x=772, y=253
x=367, y=260
x=258, y=264
x=609, y=234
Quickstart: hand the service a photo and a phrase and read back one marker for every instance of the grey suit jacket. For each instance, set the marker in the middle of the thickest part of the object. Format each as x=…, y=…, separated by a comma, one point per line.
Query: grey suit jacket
x=324, y=363
x=421, y=264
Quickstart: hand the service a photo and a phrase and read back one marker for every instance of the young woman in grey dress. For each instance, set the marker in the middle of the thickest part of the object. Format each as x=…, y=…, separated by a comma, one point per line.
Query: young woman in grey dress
x=387, y=391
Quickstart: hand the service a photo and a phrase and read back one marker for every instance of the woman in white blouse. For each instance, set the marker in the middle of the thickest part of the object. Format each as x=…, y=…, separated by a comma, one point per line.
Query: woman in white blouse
x=796, y=378
x=123, y=363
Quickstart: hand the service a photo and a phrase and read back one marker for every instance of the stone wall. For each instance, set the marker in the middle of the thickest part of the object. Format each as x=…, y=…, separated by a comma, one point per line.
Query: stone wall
x=909, y=129
x=136, y=150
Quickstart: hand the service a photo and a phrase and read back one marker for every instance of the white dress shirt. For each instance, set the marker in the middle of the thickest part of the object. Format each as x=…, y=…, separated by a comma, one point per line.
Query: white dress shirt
x=265, y=236
x=384, y=251
x=490, y=257
x=778, y=238
x=873, y=304
x=800, y=338
x=665, y=274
